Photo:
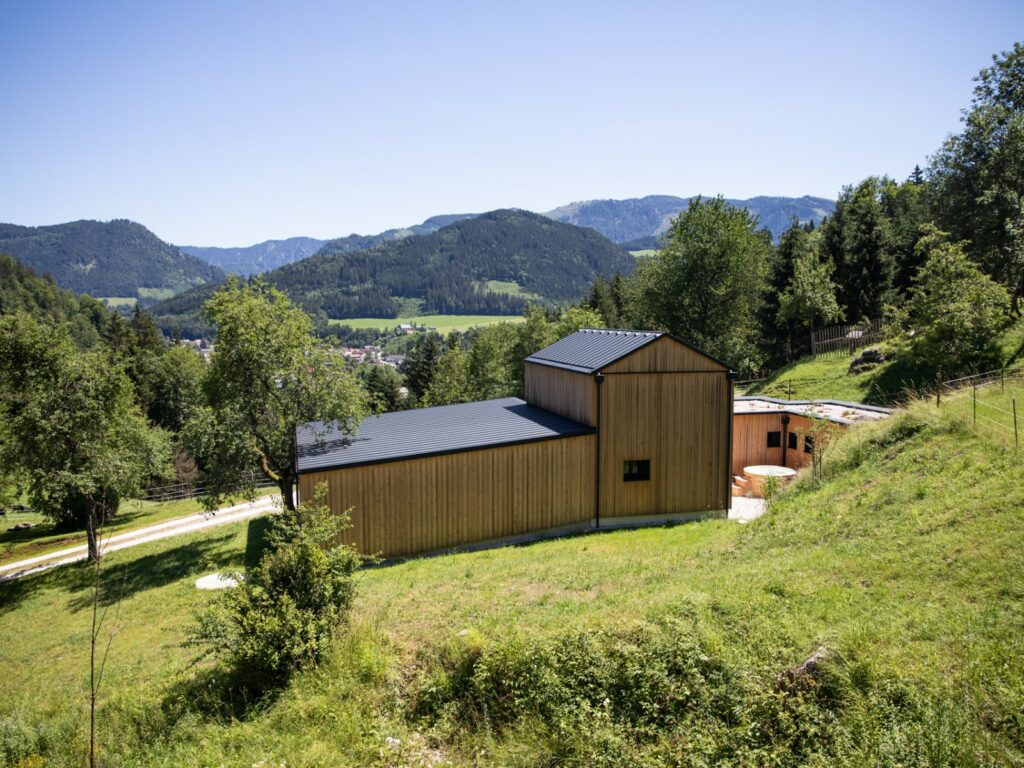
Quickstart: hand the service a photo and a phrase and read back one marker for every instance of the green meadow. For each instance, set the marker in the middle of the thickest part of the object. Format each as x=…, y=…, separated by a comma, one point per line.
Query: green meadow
x=443, y=323
x=875, y=618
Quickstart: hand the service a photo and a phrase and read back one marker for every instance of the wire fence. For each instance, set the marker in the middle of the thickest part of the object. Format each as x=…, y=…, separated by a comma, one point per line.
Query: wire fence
x=981, y=400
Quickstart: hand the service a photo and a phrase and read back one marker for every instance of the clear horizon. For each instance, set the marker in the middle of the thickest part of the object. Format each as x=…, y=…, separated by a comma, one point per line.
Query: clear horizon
x=238, y=123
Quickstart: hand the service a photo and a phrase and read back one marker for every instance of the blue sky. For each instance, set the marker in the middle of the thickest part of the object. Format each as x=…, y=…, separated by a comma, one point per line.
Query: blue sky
x=228, y=123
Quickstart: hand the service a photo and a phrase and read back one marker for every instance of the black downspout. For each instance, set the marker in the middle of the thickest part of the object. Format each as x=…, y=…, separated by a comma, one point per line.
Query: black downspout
x=785, y=437
x=731, y=405
x=295, y=466
x=598, y=380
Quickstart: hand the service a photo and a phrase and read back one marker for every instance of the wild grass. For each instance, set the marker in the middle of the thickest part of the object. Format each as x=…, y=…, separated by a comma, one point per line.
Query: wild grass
x=664, y=646
x=828, y=376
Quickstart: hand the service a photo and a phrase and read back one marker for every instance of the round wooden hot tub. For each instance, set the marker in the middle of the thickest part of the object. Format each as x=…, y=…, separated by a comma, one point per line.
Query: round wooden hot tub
x=760, y=472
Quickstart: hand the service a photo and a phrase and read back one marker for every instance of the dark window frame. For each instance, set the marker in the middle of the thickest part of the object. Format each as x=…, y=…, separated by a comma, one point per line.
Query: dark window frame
x=636, y=470
x=794, y=441
x=808, y=443
x=775, y=439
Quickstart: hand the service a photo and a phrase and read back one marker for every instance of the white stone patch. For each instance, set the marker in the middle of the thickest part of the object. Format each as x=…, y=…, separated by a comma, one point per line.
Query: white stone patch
x=216, y=581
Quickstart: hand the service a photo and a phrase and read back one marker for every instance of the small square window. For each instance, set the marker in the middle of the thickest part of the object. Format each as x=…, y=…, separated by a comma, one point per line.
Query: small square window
x=793, y=440
x=636, y=470
x=774, y=439
x=808, y=443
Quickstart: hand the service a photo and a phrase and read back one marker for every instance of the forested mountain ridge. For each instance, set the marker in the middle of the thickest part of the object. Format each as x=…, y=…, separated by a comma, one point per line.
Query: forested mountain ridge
x=117, y=258
x=273, y=254
x=255, y=259
x=362, y=242
x=488, y=264
x=22, y=290
x=623, y=221
x=454, y=270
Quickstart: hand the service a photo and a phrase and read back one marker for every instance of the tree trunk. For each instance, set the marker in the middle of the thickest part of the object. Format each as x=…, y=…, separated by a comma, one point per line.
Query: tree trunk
x=92, y=534
x=286, y=484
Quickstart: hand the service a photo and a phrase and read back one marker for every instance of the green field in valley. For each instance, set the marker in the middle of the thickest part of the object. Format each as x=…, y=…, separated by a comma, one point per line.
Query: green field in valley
x=114, y=302
x=645, y=252
x=443, y=323
x=897, y=580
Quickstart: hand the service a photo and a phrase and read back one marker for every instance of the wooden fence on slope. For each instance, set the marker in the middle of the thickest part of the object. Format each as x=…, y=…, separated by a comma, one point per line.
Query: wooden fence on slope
x=845, y=339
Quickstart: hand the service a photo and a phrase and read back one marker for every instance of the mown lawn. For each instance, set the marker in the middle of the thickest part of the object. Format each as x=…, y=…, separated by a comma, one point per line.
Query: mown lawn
x=662, y=646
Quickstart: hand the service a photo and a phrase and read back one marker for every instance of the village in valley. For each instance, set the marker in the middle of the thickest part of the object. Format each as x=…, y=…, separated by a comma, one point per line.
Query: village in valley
x=571, y=472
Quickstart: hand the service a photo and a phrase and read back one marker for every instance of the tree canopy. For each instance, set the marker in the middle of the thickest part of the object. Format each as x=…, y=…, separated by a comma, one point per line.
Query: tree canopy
x=268, y=375
x=70, y=427
x=706, y=284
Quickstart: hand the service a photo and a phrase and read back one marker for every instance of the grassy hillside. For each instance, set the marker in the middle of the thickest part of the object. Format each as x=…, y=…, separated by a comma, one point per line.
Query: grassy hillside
x=828, y=377
x=678, y=645
x=116, y=258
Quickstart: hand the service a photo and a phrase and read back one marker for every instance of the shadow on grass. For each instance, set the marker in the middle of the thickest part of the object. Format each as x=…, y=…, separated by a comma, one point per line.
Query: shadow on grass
x=256, y=540
x=217, y=693
x=125, y=576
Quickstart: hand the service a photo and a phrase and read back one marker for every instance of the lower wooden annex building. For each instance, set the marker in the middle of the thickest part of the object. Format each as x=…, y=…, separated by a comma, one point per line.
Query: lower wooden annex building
x=617, y=427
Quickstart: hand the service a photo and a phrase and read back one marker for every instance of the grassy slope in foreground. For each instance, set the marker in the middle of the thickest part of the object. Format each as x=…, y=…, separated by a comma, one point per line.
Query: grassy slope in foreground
x=657, y=646
x=443, y=323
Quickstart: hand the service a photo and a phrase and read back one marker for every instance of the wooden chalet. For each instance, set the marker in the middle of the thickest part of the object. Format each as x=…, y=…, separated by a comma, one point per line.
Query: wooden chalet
x=617, y=428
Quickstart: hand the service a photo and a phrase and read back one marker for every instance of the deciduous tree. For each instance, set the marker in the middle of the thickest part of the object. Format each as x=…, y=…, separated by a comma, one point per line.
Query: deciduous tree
x=978, y=175
x=956, y=311
x=70, y=427
x=268, y=375
x=706, y=284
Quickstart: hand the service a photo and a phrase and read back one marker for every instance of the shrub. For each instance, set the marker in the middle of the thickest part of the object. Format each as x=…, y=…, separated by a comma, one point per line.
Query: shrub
x=956, y=311
x=282, y=615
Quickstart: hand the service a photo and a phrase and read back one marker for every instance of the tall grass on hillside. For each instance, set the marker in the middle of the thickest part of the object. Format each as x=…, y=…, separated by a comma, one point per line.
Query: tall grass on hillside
x=874, y=617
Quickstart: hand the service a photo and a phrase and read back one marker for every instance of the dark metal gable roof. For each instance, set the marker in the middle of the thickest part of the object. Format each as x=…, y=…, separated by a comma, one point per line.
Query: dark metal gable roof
x=430, y=431
x=591, y=349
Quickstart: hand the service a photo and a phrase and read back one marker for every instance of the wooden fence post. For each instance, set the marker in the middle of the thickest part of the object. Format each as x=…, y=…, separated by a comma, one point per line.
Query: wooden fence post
x=1016, y=441
x=938, y=390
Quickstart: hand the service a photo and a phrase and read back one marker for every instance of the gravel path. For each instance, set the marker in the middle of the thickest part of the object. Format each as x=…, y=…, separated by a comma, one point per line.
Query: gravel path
x=189, y=524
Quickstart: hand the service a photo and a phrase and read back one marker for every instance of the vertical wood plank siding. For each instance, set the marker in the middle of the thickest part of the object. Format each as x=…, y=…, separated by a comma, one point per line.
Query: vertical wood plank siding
x=563, y=392
x=680, y=422
x=436, y=502
x=750, y=440
x=665, y=354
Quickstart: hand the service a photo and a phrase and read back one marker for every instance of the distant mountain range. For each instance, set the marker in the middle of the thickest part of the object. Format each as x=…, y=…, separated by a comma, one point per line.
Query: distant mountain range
x=636, y=223
x=124, y=262
x=117, y=258
x=272, y=254
x=254, y=259
x=493, y=263
x=642, y=218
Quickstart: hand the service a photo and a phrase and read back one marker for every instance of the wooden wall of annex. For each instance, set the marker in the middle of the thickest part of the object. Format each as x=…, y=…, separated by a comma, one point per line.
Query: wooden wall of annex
x=750, y=440
x=437, y=502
